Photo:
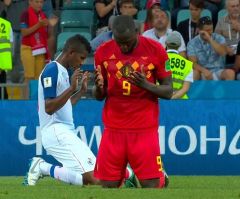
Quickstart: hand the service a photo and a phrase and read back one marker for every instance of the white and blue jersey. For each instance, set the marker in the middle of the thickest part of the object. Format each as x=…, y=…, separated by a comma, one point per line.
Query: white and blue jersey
x=57, y=130
x=53, y=81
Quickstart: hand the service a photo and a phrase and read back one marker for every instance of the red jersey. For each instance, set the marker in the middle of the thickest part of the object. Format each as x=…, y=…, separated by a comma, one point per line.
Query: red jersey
x=128, y=106
x=25, y=23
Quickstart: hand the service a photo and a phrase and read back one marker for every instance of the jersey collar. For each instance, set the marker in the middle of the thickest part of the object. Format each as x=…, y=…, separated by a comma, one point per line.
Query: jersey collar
x=172, y=51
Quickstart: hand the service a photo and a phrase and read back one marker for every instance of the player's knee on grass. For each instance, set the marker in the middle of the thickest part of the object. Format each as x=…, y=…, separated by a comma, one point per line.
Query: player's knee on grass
x=151, y=183
x=110, y=184
x=88, y=178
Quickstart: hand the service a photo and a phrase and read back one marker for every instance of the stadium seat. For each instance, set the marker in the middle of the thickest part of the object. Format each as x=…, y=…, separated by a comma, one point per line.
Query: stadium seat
x=79, y=5
x=171, y=4
x=141, y=15
x=63, y=36
x=142, y=4
x=76, y=20
x=185, y=14
x=222, y=13
x=222, y=5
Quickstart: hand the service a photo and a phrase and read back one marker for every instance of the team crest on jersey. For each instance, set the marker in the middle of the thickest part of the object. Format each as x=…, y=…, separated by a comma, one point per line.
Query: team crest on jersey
x=47, y=82
x=126, y=70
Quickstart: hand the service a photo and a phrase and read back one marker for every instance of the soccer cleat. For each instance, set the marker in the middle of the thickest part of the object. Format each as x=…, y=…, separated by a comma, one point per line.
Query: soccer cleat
x=131, y=182
x=166, y=179
x=34, y=172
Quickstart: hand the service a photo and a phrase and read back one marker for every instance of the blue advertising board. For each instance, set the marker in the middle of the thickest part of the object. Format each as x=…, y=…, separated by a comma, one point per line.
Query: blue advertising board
x=197, y=137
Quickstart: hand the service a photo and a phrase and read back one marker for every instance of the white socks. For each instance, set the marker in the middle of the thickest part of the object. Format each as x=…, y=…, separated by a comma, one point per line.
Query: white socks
x=45, y=168
x=66, y=175
x=61, y=173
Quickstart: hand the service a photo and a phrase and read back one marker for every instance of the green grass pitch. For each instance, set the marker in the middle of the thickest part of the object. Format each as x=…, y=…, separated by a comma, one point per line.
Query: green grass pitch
x=196, y=187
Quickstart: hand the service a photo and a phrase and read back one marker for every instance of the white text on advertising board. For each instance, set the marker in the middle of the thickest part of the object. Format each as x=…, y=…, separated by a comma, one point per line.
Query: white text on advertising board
x=199, y=140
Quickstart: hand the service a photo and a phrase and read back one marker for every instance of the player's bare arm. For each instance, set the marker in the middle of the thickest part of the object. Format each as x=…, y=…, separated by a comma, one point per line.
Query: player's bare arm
x=54, y=104
x=164, y=90
x=100, y=88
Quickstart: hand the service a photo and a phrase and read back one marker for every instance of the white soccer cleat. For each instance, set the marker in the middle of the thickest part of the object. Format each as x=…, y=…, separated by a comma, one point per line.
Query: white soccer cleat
x=34, y=172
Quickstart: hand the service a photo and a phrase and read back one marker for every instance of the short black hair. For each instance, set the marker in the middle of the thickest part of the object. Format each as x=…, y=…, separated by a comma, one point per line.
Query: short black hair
x=197, y=3
x=123, y=25
x=204, y=21
x=77, y=43
x=165, y=12
x=121, y=2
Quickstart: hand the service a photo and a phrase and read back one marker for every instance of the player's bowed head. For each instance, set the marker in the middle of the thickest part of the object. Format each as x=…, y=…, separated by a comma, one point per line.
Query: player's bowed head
x=125, y=33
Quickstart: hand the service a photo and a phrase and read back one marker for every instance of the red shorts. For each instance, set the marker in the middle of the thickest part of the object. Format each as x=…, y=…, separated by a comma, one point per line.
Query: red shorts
x=138, y=148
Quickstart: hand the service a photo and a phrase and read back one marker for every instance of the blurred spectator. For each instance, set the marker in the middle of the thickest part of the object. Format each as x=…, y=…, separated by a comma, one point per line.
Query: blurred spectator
x=164, y=4
x=6, y=40
x=13, y=10
x=178, y=5
x=106, y=36
x=160, y=31
x=237, y=61
x=182, y=71
x=181, y=3
x=104, y=10
x=213, y=5
x=229, y=27
x=153, y=8
x=34, y=47
x=188, y=27
x=127, y=7
x=48, y=8
x=207, y=51
x=131, y=5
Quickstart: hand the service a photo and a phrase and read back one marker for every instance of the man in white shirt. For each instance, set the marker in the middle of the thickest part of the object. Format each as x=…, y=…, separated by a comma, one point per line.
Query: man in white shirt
x=161, y=30
x=229, y=27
